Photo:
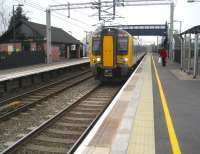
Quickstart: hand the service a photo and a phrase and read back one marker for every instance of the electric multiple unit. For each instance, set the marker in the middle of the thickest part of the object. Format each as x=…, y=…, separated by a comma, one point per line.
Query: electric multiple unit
x=112, y=54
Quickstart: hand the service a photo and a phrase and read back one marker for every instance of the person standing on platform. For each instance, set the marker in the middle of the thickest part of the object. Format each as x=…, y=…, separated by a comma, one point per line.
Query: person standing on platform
x=163, y=55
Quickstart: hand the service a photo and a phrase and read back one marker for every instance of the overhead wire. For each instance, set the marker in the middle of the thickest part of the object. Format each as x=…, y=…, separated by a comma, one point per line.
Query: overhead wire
x=57, y=14
x=71, y=18
x=40, y=8
x=88, y=16
x=74, y=18
x=81, y=12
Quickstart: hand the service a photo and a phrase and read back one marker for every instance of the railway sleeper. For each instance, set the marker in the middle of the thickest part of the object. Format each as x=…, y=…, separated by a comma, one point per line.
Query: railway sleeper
x=69, y=128
x=63, y=133
x=95, y=105
x=83, y=109
x=39, y=149
x=100, y=101
x=69, y=124
x=77, y=119
x=51, y=143
x=84, y=114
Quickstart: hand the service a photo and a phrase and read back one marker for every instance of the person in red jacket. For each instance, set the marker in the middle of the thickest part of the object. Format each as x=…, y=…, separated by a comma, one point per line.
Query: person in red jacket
x=163, y=55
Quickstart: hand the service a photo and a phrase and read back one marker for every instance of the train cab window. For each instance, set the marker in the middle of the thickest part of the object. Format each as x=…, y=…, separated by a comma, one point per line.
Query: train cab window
x=96, y=45
x=122, y=45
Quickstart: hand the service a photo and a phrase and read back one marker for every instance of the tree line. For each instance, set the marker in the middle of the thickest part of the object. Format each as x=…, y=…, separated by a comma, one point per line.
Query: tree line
x=6, y=21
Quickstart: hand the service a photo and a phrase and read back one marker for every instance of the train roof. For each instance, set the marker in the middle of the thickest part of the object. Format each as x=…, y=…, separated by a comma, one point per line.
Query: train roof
x=98, y=31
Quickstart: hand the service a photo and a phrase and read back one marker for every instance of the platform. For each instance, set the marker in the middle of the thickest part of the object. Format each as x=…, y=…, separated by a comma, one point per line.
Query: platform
x=154, y=112
x=13, y=73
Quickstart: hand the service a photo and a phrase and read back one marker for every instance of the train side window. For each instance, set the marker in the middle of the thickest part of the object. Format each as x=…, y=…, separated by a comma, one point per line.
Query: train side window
x=122, y=46
x=96, y=45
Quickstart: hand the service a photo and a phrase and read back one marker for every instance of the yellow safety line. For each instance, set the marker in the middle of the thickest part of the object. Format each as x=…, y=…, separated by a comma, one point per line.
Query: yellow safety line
x=172, y=134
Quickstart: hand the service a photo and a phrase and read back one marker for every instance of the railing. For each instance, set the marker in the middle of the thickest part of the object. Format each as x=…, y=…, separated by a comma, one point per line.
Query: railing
x=18, y=59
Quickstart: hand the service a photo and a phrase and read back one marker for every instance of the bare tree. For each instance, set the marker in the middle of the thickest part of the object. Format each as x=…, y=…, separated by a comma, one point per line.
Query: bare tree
x=4, y=17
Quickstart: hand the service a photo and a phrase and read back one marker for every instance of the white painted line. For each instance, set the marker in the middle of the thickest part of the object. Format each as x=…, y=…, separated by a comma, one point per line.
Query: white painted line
x=94, y=130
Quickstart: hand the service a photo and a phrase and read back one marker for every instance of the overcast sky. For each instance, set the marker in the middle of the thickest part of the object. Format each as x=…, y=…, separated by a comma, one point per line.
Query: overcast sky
x=81, y=20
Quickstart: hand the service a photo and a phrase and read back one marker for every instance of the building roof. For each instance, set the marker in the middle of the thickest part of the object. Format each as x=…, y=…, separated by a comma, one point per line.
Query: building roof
x=58, y=35
x=193, y=30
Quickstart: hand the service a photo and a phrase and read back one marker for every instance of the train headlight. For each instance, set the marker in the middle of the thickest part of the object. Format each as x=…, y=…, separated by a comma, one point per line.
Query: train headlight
x=98, y=59
x=126, y=59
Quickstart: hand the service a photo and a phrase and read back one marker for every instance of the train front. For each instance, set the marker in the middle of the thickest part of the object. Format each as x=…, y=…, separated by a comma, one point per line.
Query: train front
x=110, y=54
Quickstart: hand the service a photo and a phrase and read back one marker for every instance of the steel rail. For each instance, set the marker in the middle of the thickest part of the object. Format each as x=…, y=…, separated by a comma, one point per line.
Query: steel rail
x=15, y=147
x=7, y=115
x=6, y=101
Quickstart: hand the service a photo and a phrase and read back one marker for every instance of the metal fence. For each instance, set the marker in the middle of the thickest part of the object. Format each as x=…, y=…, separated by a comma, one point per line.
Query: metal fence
x=190, y=58
x=23, y=58
x=177, y=48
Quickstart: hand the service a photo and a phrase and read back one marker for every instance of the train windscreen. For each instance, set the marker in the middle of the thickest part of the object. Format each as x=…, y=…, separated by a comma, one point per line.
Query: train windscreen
x=122, y=47
x=96, y=45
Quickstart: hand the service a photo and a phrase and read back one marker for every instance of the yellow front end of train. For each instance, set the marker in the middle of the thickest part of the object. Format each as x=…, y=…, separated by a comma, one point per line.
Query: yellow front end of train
x=111, y=54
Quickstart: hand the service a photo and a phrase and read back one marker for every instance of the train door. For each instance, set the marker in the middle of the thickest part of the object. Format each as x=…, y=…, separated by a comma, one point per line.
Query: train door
x=108, y=51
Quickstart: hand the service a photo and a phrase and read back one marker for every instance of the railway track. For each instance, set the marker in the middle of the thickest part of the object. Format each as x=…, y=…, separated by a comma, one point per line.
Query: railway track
x=15, y=105
x=64, y=131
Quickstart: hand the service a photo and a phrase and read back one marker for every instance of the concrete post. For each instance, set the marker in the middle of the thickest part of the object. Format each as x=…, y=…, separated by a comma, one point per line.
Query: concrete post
x=48, y=35
x=180, y=26
x=78, y=51
x=68, y=52
x=195, y=56
x=184, y=50
x=171, y=30
x=182, y=46
x=189, y=54
x=157, y=45
x=99, y=7
x=86, y=43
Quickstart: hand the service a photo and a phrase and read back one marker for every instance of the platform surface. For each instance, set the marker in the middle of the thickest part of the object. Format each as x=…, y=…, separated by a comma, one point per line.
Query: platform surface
x=182, y=94
x=150, y=117
x=13, y=73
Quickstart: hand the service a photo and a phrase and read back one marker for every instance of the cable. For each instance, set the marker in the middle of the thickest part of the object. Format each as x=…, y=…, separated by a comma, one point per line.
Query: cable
x=74, y=10
x=71, y=17
x=68, y=21
x=62, y=15
x=38, y=7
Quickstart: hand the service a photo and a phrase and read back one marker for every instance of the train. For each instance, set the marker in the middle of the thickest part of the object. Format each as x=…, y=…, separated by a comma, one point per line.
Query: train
x=112, y=54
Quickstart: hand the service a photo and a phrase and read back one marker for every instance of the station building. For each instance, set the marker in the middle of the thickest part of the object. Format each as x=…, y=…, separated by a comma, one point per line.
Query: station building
x=26, y=44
